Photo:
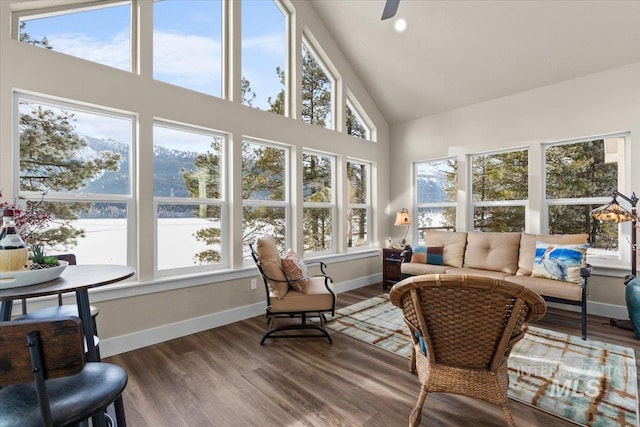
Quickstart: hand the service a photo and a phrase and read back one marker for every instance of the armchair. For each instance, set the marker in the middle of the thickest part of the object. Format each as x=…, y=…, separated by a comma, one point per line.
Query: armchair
x=292, y=296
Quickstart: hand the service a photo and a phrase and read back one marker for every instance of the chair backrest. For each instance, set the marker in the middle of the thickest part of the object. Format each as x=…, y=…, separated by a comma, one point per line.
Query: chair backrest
x=61, y=349
x=265, y=254
x=470, y=322
x=70, y=258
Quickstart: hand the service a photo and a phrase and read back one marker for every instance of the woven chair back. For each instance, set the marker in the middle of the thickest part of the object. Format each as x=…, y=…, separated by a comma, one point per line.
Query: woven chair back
x=469, y=322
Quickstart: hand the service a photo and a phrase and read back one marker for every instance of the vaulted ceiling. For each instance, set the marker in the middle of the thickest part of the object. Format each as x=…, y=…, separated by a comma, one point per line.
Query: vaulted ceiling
x=461, y=52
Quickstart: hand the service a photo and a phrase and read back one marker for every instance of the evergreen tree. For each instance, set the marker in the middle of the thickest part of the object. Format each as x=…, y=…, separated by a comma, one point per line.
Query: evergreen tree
x=316, y=91
x=357, y=194
x=318, y=224
x=353, y=125
x=277, y=105
x=248, y=95
x=48, y=162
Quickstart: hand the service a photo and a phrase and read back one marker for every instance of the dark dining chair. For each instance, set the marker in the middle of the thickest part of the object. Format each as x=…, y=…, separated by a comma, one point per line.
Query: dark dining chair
x=61, y=310
x=45, y=381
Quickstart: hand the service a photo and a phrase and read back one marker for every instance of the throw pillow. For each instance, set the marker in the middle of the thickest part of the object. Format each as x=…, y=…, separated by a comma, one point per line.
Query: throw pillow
x=419, y=254
x=296, y=272
x=428, y=255
x=559, y=262
x=269, y=260
x=435, y=255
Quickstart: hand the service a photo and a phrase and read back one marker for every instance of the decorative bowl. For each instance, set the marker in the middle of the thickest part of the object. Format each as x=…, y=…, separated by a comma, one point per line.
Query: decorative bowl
x=14, y=279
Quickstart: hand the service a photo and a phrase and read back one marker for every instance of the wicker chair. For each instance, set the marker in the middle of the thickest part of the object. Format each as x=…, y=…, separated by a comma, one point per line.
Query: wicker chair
x=463, y=329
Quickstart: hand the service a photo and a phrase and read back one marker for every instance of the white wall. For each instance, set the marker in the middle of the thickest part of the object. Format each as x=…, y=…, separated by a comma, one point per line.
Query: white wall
x=597, y=104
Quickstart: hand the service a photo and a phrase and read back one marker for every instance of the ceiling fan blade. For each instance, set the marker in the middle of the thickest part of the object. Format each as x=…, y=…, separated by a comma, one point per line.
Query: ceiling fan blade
x=390, y=9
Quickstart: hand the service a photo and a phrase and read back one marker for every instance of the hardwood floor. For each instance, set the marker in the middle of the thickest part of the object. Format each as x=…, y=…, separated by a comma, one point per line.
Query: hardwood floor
x=224, y=377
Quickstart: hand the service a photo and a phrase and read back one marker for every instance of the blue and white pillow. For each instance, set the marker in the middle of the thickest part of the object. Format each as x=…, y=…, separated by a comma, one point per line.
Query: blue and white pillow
x=559, y=262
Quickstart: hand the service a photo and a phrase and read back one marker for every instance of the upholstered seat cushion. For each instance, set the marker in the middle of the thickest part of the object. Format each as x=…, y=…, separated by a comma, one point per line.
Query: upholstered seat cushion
x=477, y=272
x=549, y=287
x=417, y=269
x=317, y=298
x=96, y=386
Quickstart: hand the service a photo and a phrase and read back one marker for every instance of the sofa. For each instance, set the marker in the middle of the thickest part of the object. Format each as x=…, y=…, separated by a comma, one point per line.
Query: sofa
x=554, y=266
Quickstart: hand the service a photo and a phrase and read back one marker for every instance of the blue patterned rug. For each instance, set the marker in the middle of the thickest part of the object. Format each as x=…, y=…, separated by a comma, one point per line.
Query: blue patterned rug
x=590, y=383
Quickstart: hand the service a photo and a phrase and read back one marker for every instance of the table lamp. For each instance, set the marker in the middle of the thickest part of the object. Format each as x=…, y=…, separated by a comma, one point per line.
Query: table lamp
x=612, y=211
x=402, y=218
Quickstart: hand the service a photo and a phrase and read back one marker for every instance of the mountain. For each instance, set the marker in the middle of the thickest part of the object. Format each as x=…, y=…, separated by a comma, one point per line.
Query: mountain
x=167, y=164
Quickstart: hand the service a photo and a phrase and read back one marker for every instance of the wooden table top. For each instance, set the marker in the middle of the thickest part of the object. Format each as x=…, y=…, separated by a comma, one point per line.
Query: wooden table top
x=73, y=278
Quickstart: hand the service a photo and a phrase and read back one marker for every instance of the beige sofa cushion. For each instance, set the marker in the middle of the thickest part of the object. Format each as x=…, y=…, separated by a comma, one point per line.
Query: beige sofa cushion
x=528, y=247
x=549, y=287
x=269, y=260
x=418, y=269
x=477, y=272
x=493, y=251
x=454, y=244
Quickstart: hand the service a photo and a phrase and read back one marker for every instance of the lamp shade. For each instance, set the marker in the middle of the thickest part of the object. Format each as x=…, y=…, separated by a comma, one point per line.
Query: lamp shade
x=402, y=218
x=612, y=212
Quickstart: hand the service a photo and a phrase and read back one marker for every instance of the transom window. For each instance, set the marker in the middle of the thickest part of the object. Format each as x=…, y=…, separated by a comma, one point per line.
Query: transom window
x=187, y=44
x=264, y=50
x=317, y=89
x=355, y=124
x=74, y=32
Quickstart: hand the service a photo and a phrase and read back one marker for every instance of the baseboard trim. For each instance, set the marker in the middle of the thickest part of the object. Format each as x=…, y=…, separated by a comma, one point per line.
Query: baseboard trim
x=147, y=337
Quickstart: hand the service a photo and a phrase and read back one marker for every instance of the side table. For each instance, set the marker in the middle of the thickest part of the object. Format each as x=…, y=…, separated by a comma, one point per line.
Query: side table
x=391, y=260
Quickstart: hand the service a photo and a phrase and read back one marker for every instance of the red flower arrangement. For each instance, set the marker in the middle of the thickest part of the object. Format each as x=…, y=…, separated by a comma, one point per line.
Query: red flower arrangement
x=29, y=219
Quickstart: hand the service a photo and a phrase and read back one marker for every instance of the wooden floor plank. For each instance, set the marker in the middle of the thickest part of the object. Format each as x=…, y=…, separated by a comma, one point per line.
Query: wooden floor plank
x=224, y=377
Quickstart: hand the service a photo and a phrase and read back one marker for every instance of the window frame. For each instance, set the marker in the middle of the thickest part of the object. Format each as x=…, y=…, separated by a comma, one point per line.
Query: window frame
x=321, y=58
x=360, y=117
x=497, y=203
x=128, y=199
x=33, y=11
x=623, y=259
x=285, y=203
x=367, y=206
x=221, y=202
x=432, y=205
x=323, y=205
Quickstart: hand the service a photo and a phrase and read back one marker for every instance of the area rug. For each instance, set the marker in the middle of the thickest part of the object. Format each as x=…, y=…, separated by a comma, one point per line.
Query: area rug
x=590, y=383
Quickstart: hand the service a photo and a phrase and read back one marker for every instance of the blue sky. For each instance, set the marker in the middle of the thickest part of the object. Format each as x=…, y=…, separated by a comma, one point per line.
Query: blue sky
x=187, y=42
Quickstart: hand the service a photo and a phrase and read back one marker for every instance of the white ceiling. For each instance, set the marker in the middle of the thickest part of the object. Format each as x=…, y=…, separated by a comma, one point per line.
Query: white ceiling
x=461, y=52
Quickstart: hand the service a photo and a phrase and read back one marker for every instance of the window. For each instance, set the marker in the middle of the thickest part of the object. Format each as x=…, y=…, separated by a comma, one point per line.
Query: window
x=318, y=193
x=358, y=204
x=436, y=184
x=580, y=176
x=264, y=50
x=317, y=89
x=354, y=123
x=74, y=32
x=188, y=189
x=265, y=193
x=499, y=190
x=187, y=44
x=80, y=159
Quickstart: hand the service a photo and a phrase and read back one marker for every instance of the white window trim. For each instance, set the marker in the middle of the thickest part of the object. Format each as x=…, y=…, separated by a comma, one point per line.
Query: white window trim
x=325, y=64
